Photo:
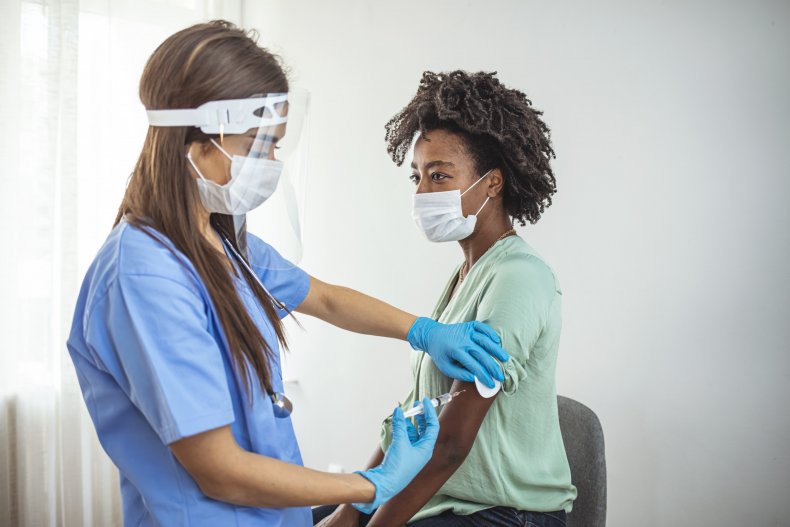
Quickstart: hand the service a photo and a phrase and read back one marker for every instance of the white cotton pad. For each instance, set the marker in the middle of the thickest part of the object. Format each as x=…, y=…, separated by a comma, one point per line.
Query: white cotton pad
x=485, y=391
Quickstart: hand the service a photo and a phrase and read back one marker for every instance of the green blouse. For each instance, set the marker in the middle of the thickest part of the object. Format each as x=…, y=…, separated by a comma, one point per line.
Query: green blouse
x=518, y=458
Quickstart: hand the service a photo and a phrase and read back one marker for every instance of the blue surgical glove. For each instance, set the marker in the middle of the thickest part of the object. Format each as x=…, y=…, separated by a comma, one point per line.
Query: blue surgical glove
x=461, y=351
x=404, y=459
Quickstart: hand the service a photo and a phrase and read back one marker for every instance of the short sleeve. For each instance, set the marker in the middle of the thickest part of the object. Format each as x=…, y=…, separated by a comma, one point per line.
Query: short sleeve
x=163, y=355
x=516, y=305
x=287, y=282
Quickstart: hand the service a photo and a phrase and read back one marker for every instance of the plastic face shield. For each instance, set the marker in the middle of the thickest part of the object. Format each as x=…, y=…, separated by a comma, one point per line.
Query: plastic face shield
x=279, y=221
x=251, y=127
x=250, y=130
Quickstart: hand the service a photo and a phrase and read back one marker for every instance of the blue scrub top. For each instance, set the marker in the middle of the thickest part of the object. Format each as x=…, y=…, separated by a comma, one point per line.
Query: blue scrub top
x=153, y=365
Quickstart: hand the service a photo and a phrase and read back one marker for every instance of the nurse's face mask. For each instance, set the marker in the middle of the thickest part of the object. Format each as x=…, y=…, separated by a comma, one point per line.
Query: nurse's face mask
x=253, y=180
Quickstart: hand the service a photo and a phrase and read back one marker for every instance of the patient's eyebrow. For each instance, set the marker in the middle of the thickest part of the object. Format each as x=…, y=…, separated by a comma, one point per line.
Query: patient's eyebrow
x=435, y=163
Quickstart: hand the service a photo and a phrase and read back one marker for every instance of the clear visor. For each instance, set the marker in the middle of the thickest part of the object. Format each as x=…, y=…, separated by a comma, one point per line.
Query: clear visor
x=279, y=220
x=268, y=126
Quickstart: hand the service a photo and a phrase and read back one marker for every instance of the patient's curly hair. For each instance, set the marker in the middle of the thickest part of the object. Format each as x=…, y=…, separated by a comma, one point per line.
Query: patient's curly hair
x=499, y=127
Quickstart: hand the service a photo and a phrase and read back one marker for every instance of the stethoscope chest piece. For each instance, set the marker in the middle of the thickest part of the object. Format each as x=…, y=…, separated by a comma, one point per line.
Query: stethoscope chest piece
x=281, y=405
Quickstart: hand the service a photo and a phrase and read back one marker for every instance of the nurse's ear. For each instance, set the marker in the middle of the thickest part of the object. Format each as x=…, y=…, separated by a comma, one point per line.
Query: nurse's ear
x=495, y=183
x=199, y=149
x=209, y=160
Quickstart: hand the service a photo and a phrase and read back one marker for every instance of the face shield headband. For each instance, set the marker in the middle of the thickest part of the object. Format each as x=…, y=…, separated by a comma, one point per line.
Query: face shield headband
x=231, y=116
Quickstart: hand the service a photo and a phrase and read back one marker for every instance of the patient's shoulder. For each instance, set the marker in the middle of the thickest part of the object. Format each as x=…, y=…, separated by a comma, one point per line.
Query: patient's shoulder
x=521, y=269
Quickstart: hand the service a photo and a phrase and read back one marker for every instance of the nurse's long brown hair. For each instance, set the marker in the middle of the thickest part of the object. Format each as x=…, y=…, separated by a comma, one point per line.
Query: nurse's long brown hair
x=205, y=62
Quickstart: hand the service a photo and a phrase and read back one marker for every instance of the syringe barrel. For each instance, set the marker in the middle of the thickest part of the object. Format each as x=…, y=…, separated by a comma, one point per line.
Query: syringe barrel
x=435, y=402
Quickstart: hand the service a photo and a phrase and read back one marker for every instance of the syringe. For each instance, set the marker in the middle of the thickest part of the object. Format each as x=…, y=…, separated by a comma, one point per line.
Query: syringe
x=436, y=402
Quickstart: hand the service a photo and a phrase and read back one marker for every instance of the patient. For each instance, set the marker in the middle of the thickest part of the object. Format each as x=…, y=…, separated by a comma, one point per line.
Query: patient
x=481, y=162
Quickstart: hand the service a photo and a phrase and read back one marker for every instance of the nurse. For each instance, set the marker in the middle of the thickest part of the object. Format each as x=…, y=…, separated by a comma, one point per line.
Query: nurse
x=177, y=332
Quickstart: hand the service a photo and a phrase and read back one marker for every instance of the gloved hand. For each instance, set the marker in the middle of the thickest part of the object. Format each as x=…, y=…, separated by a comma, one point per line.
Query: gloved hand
x=404, y=458
x=461, y=351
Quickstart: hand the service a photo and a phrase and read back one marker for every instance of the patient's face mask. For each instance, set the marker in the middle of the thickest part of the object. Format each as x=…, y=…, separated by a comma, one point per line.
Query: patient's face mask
x=252, y=181
x=440, y=217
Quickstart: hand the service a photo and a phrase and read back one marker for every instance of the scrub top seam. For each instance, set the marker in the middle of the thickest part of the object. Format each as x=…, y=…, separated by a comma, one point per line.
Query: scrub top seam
x=118, y=272
x=225, y=413
x=88, y=319
x=174, y=254
x=115, y=281
x=158, y=388
x=302, y=296
x=154, y=275
x=171, y=432
x=292, y=301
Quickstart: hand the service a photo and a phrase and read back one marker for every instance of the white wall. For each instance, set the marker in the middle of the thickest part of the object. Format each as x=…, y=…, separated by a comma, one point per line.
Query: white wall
x=671, y=122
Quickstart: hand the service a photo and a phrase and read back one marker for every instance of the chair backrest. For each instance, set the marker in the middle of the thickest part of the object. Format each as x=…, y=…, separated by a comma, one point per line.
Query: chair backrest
x=584, y=445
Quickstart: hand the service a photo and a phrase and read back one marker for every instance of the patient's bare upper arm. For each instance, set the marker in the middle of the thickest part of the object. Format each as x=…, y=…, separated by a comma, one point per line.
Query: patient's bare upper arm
x=460, y=420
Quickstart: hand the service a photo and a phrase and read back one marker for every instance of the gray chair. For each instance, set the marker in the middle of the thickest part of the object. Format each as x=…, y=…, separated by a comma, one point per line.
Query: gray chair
x=584, y=445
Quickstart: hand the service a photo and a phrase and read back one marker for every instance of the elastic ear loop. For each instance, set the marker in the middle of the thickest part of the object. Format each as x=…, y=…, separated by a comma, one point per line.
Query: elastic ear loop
x=194, y=166
x=476, y=182
x=230, y=157
x=192, y=161
x=483, y=205
x=471, y=187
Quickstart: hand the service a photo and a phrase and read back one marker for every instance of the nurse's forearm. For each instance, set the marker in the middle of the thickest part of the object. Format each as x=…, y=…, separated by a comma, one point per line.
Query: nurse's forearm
x=267, y=482
x=226, y=472
x=355, y=311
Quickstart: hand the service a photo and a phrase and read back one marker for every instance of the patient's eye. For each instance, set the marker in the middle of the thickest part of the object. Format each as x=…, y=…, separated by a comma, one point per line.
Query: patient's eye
x=438, y=176
x=415, y=178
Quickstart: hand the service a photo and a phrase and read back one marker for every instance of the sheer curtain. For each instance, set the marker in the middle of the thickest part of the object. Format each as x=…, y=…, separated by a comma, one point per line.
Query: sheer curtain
x=72, y=128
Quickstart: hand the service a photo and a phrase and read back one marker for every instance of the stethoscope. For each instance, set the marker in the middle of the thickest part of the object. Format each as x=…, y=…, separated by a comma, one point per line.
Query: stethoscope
x=281, y=405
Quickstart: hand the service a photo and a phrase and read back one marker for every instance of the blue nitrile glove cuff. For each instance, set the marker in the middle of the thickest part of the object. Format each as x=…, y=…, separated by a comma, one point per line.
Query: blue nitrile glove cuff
x=418, y=331
x=369, y=508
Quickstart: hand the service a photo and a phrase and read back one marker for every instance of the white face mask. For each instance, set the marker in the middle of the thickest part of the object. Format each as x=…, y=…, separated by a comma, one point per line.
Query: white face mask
x=252, y=181
x=440, y=217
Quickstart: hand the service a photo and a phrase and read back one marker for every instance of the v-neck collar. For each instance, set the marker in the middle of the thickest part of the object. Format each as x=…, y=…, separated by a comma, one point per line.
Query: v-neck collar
x=445, y=300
